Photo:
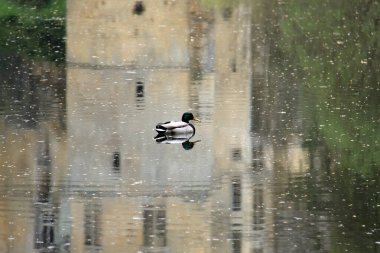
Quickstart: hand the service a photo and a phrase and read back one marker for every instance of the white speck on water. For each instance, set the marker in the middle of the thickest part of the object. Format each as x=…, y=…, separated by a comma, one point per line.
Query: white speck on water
x=137, y=182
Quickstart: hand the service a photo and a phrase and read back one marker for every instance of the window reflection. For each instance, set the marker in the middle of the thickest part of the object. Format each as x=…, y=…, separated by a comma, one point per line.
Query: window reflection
x=260, y=250
x=258, y=209
x=236, y=194
x=44, y=173
x=92, y=224
x=140, y=89
x=139, y=8
x=227, y=13
x=233, y=65
x=236, y=241
x=154, y=227
x=44, y=227
x=236, y=154
x=116, y=161
x=257, y=162
x=140, y=95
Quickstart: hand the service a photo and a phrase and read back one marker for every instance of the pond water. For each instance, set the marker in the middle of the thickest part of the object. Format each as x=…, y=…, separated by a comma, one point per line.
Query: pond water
x=286, y=157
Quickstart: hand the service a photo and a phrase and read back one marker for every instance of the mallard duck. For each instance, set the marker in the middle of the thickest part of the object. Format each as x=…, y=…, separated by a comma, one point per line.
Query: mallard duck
x=176, y=128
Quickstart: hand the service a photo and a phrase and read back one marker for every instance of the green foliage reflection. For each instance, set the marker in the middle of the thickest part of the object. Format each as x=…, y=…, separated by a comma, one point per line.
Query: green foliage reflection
x=335, y=45
x=34, y=28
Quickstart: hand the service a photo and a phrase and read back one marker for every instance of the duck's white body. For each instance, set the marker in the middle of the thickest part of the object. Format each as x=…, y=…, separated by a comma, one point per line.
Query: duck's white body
x=176, y=128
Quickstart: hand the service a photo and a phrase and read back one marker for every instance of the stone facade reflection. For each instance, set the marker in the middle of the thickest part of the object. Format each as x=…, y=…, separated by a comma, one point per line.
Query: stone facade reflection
x=164, y=208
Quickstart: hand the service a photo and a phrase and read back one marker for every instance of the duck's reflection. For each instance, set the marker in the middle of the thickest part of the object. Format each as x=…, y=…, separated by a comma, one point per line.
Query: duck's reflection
x=183, y=139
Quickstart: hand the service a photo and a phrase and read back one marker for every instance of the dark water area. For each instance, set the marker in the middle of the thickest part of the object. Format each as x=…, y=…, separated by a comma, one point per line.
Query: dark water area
x=286, y=157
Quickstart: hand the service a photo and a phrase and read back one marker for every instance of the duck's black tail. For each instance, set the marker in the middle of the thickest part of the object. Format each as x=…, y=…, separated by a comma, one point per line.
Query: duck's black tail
x=160, y=129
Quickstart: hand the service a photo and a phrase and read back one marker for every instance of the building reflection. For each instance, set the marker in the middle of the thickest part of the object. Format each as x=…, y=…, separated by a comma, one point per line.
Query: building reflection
x=141, y=199
x=144, y=60
x=164, y=208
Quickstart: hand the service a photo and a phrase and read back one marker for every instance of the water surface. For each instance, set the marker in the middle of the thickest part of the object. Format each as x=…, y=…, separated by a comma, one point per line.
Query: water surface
x=286, y=158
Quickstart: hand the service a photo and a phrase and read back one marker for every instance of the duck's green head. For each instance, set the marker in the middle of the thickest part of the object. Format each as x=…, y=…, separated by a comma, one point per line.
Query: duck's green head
x=187, y=116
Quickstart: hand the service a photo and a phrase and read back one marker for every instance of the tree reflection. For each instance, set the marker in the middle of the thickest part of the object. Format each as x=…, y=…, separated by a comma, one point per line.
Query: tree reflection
x=332, y=50
x=33, y=28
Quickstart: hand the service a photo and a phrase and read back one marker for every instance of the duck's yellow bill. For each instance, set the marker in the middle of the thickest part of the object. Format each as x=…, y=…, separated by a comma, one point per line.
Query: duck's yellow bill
x=196, y=119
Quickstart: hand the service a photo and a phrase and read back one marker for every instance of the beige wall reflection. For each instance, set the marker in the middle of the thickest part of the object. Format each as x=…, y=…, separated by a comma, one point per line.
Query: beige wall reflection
x=112, y=33
x=130, y=64
x=126, y=72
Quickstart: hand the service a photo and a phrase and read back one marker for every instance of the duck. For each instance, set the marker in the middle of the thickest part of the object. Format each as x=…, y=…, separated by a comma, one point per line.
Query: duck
x=183, y=128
